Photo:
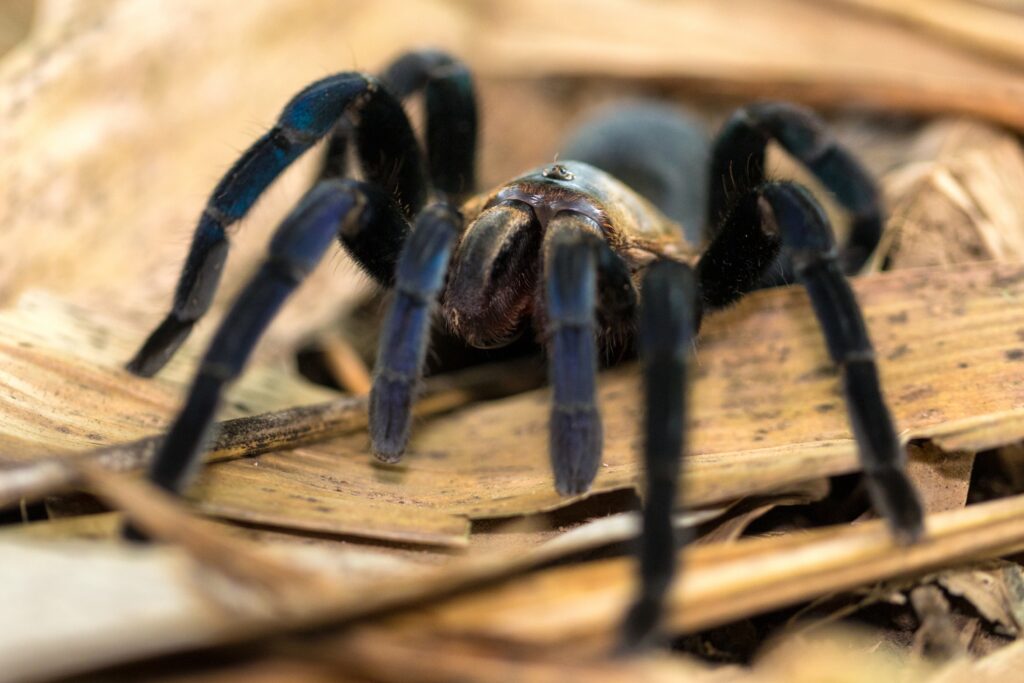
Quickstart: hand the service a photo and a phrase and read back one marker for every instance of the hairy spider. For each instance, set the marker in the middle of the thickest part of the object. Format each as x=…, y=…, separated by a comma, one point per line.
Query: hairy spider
x=566, y=248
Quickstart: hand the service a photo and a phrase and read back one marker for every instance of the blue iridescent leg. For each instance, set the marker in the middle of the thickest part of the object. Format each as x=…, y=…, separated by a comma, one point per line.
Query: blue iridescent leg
x=389, y=155
x=737, y=166
x=297, y=246
x=419, y=276
x=669, y=316
x=807, y=238
x=571, y=252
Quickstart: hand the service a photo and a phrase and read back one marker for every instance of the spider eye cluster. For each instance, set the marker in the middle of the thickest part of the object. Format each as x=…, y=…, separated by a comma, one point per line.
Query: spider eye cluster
x=558, y=172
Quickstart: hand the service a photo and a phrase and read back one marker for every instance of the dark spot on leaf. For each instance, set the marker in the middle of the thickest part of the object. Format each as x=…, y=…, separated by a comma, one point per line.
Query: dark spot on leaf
x=898, y=352
x=898, y=318
x=819, y=372
x=918, y=392
x=1007, y=280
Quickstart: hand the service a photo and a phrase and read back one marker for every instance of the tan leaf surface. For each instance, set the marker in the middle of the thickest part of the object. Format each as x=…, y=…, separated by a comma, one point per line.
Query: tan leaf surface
x=66, y=392
x=955, y=198
x=768, y=414
x=564, y=612
x=808, y=51
x=767, y=408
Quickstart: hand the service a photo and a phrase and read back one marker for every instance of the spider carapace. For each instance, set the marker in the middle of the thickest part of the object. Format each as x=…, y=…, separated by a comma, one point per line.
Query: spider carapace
x=640, y=232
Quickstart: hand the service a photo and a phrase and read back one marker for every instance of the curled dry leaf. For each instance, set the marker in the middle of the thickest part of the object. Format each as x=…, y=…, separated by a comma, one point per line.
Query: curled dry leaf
x=956, y=199
x=995, y=589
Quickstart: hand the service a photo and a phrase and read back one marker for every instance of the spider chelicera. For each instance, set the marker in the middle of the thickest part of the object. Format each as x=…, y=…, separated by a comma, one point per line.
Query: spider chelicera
x=585, y=251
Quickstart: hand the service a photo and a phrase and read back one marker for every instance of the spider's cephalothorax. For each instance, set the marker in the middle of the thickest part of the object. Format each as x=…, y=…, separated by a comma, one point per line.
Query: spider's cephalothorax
x=569, y=249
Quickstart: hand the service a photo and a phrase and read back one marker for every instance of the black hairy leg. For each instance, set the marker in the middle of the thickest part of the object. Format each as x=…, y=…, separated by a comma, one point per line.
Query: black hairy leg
x=811, y=247
x=351, y=104
x=451, y=120
x=771, y=217
x=738, y=160
x=668, y=320
x=384, y=133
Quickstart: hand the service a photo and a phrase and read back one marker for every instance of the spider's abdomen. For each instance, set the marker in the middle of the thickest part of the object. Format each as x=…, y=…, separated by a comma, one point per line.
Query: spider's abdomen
x=657, y=150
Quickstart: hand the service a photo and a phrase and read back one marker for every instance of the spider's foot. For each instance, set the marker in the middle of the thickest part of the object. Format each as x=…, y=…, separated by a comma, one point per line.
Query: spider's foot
x=132, y=534
x=160, y=347
x=640, y=628
x=390, y=417
x=576, y=442
x=896, y=500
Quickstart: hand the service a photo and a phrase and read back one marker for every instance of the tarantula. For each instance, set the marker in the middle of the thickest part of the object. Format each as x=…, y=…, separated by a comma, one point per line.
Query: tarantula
x=584, y=250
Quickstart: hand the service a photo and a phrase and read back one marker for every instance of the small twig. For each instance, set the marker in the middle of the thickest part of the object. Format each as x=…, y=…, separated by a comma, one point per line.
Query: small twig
x=344, y=364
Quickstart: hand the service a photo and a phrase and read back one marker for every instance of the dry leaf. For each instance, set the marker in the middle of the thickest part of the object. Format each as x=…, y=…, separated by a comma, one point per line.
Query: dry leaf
x=942, y=477
x=768, y=414
x=579, y=607
x=567, y=609
x=956, y=199
x=996, y=590
x=982, y=29
x=112, y=146
x=787, y=49
x=998, y=667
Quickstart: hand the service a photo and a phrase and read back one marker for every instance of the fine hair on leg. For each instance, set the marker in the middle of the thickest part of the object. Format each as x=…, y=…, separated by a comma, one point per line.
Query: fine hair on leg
x=297, y=246
x=808, y=240
x=738, y=160
x=570, y=255
x=669, y=314
x=405, y=336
